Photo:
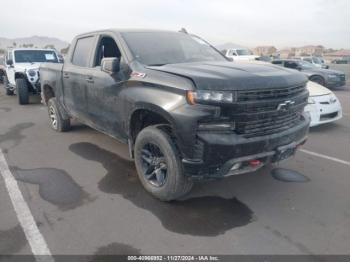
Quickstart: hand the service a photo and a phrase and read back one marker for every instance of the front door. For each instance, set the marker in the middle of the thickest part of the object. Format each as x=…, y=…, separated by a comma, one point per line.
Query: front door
x=104, y=106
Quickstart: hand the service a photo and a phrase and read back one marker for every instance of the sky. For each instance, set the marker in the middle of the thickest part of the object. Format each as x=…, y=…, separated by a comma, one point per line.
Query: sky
x=282, y=23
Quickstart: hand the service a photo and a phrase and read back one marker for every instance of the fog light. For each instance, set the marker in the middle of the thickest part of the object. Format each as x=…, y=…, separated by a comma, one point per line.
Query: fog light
x=216, y=126
x=236, y=166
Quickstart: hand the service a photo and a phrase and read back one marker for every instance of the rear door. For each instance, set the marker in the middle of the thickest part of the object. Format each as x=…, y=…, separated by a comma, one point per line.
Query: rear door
x=77, y=77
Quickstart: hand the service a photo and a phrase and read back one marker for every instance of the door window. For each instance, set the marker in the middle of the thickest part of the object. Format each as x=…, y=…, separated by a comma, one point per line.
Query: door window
x=82, y=51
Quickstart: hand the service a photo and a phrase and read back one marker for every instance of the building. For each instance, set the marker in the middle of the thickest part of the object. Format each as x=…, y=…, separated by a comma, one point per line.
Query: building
x=286, y=53
x=265, y=50
x=337, y=54
x=309, y=50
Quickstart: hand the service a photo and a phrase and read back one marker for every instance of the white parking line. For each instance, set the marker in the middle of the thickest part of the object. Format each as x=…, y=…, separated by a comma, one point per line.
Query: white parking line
x=36, y=241
x=325, y=157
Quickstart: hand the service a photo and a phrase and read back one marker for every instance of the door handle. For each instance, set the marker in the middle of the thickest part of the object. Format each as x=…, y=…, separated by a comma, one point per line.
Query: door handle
x=65, y=75
x=89, y=79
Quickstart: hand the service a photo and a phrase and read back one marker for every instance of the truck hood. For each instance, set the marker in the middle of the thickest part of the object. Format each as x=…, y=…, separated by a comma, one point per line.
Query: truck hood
x=317, y=90
x=234, y=76
x=26, y=66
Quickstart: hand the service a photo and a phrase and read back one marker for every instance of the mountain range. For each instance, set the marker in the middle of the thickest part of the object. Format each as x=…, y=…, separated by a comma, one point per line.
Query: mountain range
x=35, y=41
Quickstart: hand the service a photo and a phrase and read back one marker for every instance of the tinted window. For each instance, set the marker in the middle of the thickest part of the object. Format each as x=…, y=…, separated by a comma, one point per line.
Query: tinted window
x=159, y=48
x=291, y=64
x=243, y=52
x=277, y=62
x=81, y=56
x=30, y=56
x=106, y=48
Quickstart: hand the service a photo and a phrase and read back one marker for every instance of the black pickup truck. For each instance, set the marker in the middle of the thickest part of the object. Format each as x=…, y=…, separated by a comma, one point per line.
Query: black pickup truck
x=185, y=111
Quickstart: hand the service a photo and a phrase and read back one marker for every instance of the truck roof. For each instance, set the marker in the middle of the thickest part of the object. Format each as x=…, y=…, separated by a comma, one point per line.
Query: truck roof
x=30, y=49
x=126, y=30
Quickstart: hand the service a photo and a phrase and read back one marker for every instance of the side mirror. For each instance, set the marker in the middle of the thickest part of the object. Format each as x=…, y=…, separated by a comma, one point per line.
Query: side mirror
x=229, y=59
x=110, y=65
x=9, y=62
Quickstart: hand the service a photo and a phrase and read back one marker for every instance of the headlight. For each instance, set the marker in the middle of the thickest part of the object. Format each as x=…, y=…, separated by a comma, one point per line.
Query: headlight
x=311, y=101
x=332, y=76
x=210, y=97
x=31, y=72
x=332, y=99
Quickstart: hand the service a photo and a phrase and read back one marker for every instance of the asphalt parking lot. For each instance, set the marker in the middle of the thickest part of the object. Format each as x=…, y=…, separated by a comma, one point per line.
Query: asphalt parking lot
x=85, y=198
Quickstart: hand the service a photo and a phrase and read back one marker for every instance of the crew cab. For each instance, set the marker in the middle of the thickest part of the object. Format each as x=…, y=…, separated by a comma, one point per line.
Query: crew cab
x=326, y=77
x=186, y=112
x=22, y=71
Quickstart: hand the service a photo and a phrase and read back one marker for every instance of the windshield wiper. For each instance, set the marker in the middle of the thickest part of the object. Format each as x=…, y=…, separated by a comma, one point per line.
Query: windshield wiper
x=156, y=64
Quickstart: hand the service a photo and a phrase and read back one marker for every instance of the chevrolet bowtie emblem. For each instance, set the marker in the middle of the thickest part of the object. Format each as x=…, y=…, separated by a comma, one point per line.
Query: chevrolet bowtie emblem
x=286, y=105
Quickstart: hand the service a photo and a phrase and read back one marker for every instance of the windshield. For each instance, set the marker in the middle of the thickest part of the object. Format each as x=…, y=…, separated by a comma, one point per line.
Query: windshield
x=243, y=52
x=317, y=60
x=306, y=65
x=160, y=48
x=31, y=56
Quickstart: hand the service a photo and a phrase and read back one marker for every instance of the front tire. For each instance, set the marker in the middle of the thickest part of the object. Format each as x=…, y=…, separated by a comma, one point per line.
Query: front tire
x=159, y=166
x=319, y=80
x=22, y=91
x=57, y=120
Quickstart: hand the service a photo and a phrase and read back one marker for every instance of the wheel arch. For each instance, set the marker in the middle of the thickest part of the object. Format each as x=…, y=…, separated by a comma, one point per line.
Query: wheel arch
x=47, y=93
x=146, y=115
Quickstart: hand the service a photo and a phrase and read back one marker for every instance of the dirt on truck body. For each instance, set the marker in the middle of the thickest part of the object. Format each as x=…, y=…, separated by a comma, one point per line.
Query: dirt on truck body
x=185, y=111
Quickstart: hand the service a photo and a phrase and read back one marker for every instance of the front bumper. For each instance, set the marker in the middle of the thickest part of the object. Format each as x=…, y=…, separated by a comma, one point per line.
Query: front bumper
x=322, y=111
x=335, y=83
x=222, y=151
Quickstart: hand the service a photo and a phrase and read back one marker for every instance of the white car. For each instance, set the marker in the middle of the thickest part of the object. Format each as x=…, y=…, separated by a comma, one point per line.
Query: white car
x=22, y=71
x=323, y=106
x=240, y=54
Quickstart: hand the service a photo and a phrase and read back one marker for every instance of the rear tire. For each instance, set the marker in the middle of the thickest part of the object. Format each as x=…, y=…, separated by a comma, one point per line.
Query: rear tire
x=58, y=122
x=318, y=79
x=6, y=83
x=174, y=183
x=22, y=91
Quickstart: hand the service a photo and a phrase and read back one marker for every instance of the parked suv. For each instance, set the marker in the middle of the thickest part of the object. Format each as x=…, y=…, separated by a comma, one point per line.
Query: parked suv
x=185, y=111
x=22, y=71
x=316, y=61
x=342, y=60
x=325, y=77
x=240, y=54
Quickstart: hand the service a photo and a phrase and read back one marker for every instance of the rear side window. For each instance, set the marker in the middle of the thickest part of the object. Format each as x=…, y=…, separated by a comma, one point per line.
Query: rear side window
x=291, y=64
x=82, y=51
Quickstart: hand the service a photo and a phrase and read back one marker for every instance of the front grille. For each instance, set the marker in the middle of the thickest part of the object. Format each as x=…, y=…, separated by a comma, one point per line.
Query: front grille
x=258, y=112
x=269, y=94
x=328, y=116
